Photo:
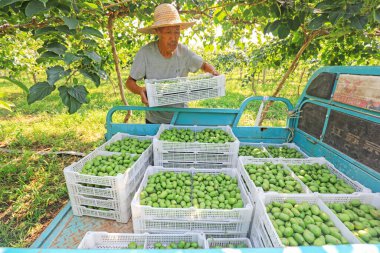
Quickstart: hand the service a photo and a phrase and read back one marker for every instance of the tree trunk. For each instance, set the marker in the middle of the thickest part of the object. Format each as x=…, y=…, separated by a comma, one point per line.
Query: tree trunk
x=300, y=82
x=264, y=73
x=111, y=19
x=34, y=77
x=290, y=70
x=253, y=84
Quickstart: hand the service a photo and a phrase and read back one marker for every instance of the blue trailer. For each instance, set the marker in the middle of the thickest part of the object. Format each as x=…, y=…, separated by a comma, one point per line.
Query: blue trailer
x=336, y=117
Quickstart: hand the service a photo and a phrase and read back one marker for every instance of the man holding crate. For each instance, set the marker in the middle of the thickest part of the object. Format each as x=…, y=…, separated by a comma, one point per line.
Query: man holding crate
x=165, y=58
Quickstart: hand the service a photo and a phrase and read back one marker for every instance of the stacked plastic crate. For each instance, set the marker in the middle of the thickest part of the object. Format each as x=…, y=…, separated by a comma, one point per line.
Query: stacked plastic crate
x=280, y=178
x=184, y=89
x=214, y=222
x=103, y=195
x=195, y=153
x=104, y=240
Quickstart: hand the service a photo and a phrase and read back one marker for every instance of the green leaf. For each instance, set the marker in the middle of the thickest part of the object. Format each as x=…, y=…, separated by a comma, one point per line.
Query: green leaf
x=70, y=58
x=376, y=14
x=55, y=73
x=92, y=31
x=90, y=42
x=56, y=47
x=79, y=92
x=335, y=16
x=359, y=22
x=92, y=76
x=71, y=102
x=44, y=30
x=294, y=24
x=39, y=91
x=354, y=8
x=18, y=83
x=4, y=3
x=325, y=5
x=91, y=5
x=283, y=31
x=49, y=54
x=317, y=22
x=71, y=23
x=275, y=9
x=274, y=26
x=6, y=105
x=94, y=56
x=34, y=7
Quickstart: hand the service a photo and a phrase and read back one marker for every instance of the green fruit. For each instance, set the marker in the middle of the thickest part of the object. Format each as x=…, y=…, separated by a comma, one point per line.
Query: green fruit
x=288, y=232
x=332, y=240
x=292, y=242
x=325, y=229
x=285, y=241
x=315, y=209
x=284, y=217
x=299, y=238
x=308, y=236
x=320, y=241
x=364, y=235
x=297, y=228
x=355, y=202
x=343, y=217
x=315, y=230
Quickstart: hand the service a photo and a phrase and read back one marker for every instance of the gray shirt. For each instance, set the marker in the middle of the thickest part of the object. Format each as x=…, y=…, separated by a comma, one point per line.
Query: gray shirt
x=150, y=64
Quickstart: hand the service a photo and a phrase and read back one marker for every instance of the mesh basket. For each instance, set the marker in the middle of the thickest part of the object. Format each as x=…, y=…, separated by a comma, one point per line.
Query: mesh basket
x=252, y=188
x=191, y=214
x=225, y=242
x=320, y=160
x=195, y=147
x=263, y=233
x=184, y=89
x=104, y=240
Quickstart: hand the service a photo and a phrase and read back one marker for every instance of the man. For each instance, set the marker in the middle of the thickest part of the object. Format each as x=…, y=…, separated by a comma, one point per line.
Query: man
x=165, y=58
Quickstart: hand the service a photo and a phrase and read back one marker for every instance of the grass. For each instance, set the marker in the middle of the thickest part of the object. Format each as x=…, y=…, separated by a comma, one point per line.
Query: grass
x=33, y=187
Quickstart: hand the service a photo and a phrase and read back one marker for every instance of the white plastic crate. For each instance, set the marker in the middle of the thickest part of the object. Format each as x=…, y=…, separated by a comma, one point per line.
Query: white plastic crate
x=166, y=239
x=142, y=212
x=289, y=145
x=166, y=157
x=104, y=240
x=184, y=89
x=73, y=175
x=213, y=166
x=263, y=233
x=252, y=188
x=320, y=160
x=223, y=235
x=224, y=242
x=365, y=198
x=119, y=210
x=177, y=226
x=120, y=136
x=256, y=145
x=195, y=147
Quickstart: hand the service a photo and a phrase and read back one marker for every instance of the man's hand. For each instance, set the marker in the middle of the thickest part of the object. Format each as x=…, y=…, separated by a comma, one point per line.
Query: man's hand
x=206, y=67
x=143, y=96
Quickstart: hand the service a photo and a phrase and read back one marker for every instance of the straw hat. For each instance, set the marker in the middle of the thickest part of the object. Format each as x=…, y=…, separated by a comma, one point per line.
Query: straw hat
x=165, y=15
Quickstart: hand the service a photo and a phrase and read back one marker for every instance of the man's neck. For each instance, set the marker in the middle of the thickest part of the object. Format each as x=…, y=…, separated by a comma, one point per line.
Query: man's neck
x=163, y=51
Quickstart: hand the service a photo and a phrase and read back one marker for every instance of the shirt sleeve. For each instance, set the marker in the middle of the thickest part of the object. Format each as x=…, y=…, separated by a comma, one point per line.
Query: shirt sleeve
x=194, y=61
x=138, y=69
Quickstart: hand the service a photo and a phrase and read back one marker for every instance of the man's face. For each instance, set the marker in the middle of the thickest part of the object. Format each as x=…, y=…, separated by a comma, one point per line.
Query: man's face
x=169, y=36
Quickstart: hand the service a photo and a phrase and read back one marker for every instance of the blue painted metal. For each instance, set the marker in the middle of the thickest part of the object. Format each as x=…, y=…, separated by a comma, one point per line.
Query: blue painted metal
x=65, y=223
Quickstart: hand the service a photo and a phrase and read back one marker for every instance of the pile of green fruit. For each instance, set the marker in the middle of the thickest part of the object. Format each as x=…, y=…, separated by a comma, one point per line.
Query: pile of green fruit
x=284, y=152
x=252, y=151
x=231, y=246
x=320, y=179
x=134, y=245
x=216, y=191
x=129, y=145
x=109, y=165
x=362, y=219
x=273, y=177
x=209, y=135
x=303, y=224
x=180, y=190
x=167, y=190
x=99, y=208
x=187, y=135
x=179, y=245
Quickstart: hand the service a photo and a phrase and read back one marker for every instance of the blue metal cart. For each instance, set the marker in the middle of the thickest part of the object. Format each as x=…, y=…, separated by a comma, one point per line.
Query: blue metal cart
x=335, y=118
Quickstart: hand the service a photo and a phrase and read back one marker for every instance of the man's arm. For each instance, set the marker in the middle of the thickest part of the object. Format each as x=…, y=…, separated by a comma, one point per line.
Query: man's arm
x=134, y=88
x=207, y=67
